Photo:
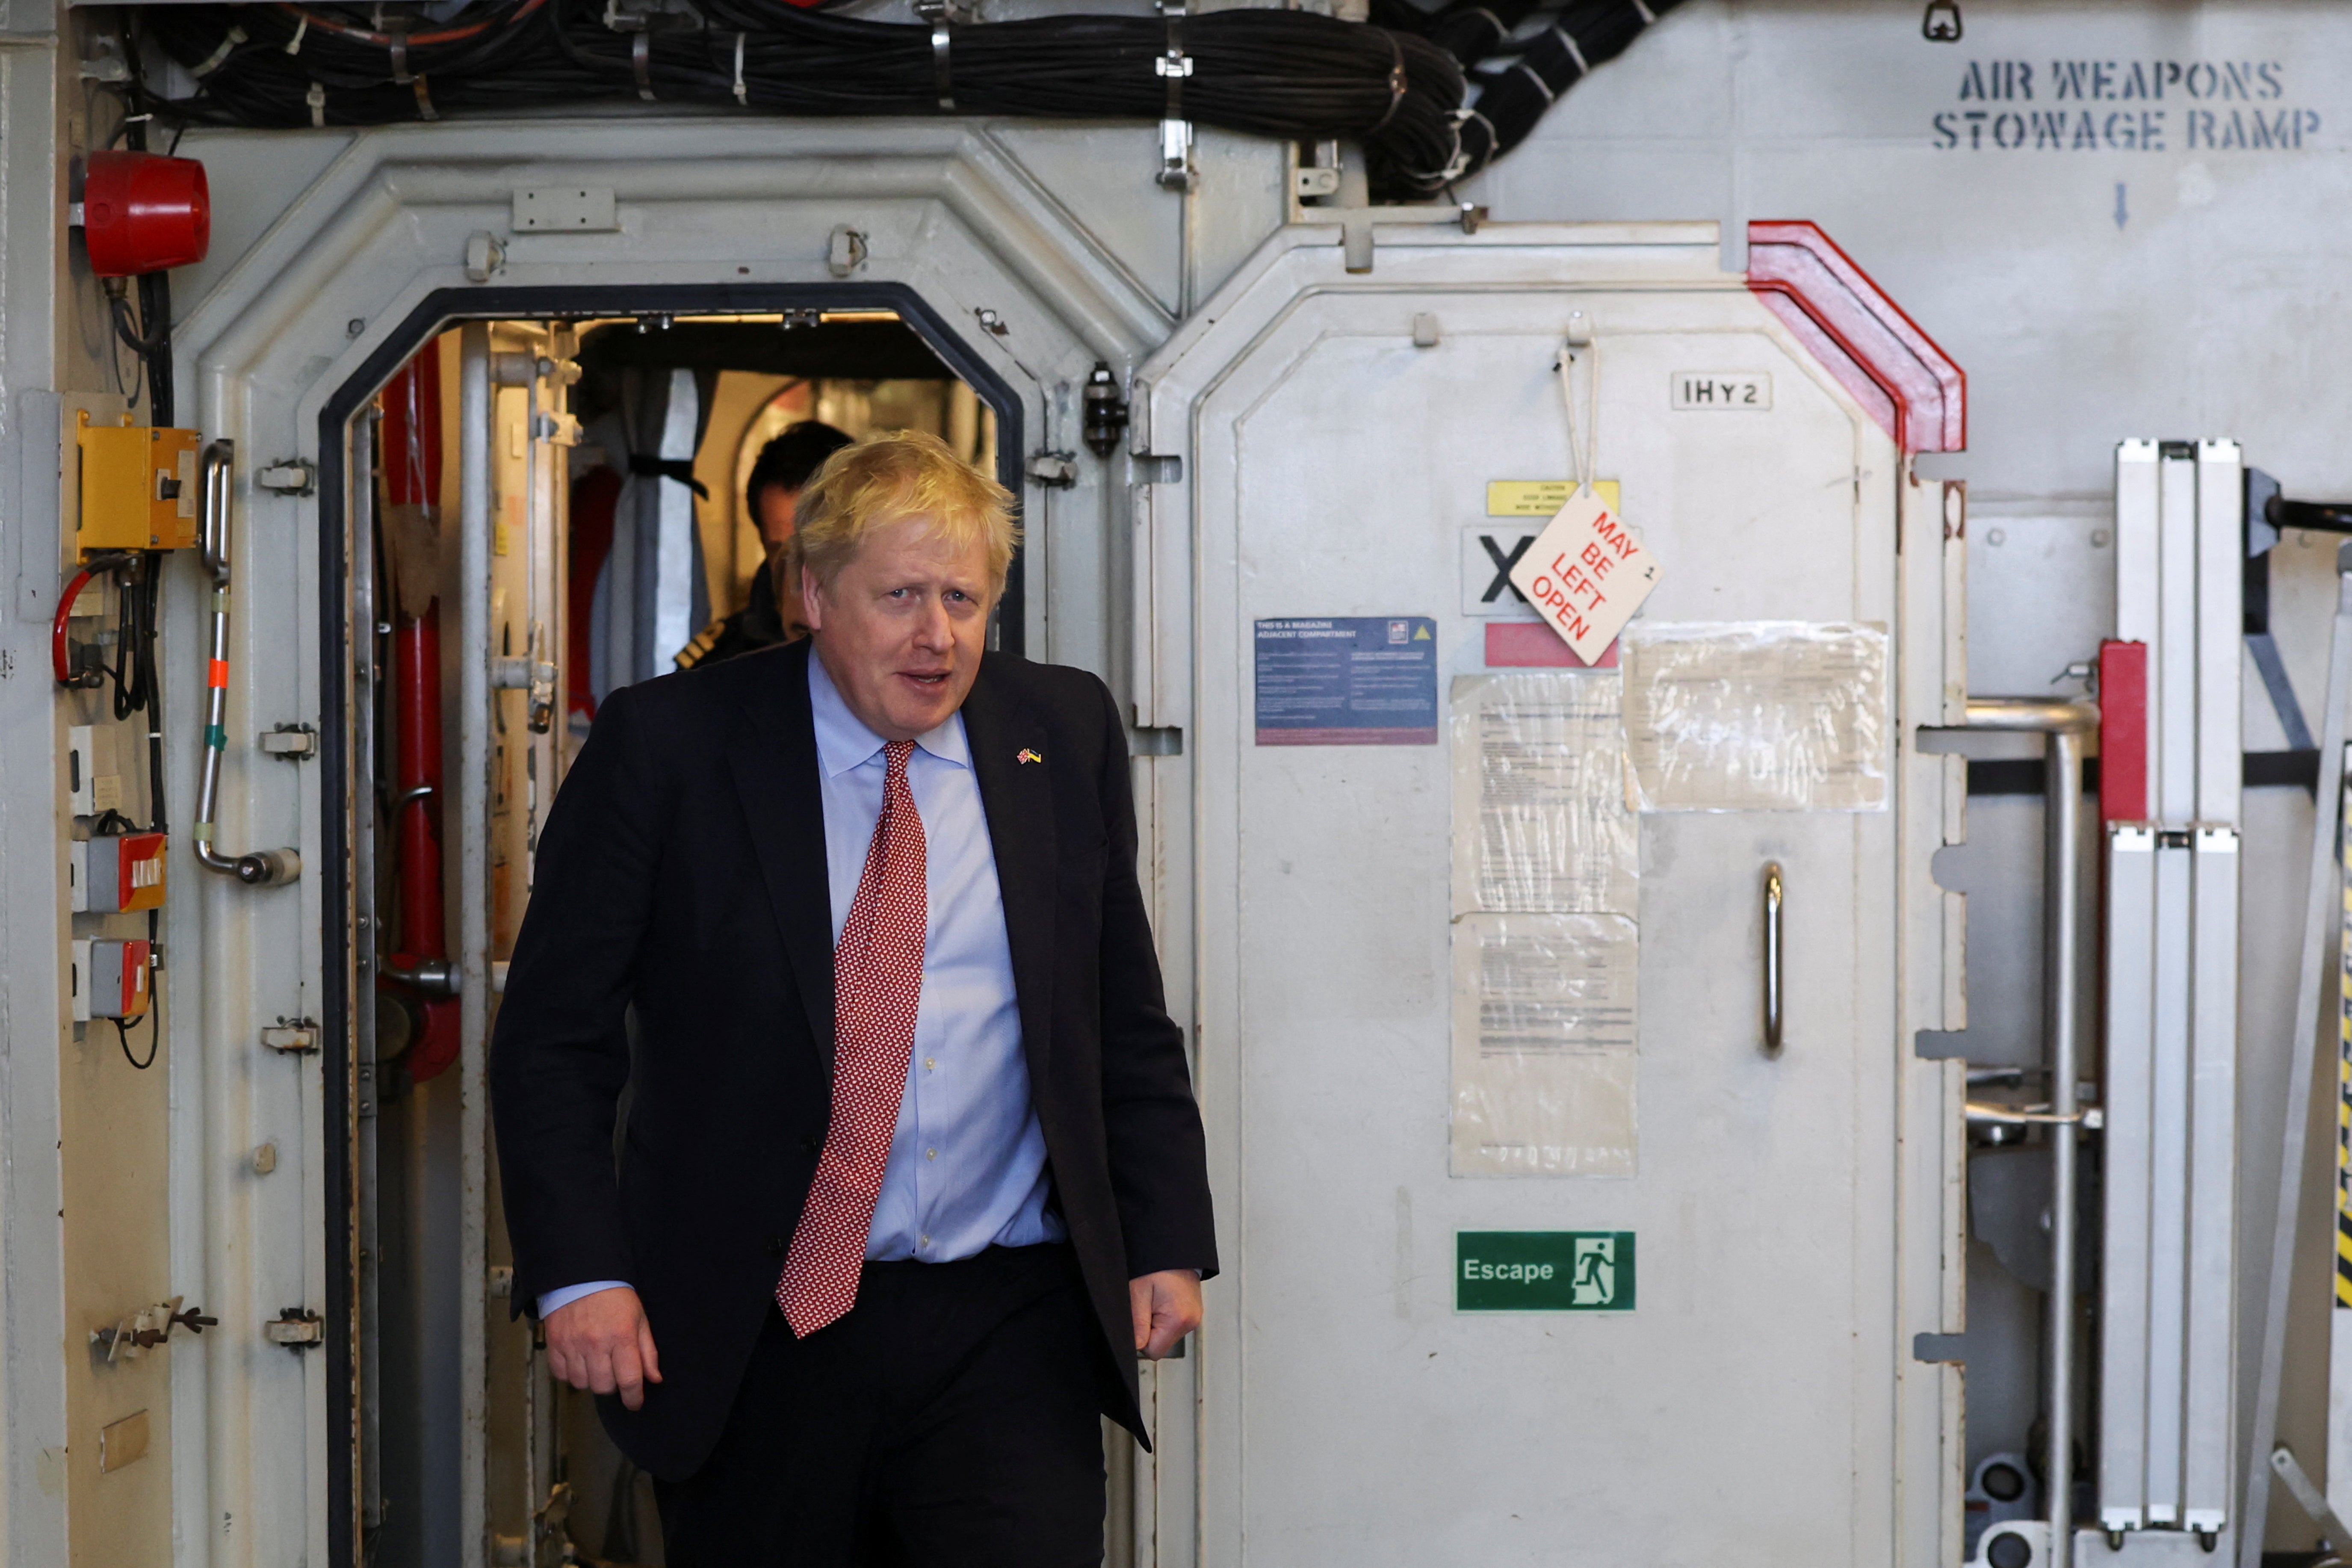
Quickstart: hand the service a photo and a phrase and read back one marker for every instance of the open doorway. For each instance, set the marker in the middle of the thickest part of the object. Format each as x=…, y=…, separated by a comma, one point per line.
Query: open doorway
x=685, y=408
x=544, y=506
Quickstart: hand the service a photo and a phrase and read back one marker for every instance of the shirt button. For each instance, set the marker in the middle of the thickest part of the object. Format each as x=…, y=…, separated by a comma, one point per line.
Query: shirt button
x=930, y=1153
x=931, y=1064
x=926, y=1240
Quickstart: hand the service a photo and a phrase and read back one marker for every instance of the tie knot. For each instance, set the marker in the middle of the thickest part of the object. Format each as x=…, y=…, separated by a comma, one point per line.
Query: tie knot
x=894, y=759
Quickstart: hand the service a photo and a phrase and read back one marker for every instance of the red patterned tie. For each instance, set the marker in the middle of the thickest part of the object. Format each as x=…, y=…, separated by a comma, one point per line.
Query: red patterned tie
x=877, y=978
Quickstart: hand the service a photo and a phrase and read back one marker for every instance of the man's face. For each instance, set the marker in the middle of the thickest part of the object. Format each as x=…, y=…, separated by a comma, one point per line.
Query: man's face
x=902, y=626
x=775, y=509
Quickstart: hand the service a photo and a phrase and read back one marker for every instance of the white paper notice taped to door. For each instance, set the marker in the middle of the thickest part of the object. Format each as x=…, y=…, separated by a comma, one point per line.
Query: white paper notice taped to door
x=1539, y=817
x=1544, y=1060
x=1545, y=950
x=1756, y=716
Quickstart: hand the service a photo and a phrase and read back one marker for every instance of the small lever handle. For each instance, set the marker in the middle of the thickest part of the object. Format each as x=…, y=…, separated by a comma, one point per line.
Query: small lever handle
x=1772, y=993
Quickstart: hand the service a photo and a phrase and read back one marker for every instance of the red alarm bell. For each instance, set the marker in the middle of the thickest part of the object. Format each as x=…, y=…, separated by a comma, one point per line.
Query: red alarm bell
x=143, y=212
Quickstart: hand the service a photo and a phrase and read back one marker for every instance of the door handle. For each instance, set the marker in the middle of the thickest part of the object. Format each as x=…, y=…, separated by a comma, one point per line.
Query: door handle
x=1772, y=992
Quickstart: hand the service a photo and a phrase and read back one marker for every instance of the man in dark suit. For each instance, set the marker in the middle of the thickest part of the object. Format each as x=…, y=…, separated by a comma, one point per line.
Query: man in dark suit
x=911, y=1170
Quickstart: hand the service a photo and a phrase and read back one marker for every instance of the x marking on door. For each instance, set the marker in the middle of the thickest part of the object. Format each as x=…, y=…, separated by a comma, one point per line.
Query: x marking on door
x=1503, y=565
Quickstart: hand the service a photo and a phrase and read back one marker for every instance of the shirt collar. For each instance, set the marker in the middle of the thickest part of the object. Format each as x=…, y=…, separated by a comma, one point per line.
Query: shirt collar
x=843, y=740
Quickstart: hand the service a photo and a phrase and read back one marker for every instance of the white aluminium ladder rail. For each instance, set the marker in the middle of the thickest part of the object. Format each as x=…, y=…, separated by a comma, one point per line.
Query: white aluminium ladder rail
x=2167, y=1295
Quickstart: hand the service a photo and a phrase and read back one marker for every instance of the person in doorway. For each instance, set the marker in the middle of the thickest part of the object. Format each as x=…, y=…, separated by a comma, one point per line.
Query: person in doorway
x=911, y=1170
x=773, y=615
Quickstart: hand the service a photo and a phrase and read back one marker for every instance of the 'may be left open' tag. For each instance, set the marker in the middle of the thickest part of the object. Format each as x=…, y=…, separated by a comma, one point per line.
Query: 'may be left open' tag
x=1586, y=576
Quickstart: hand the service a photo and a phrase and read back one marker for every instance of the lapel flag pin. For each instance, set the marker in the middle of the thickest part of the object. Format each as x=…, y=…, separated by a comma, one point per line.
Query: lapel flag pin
x=1028, y=756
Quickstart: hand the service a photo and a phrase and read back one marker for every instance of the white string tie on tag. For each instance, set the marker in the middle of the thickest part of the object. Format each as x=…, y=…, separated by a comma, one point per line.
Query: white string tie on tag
x=1581, y=461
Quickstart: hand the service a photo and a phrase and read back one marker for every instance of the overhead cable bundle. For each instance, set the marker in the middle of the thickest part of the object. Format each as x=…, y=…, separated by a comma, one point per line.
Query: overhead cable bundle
x=1289, y=74
x=1521, y=57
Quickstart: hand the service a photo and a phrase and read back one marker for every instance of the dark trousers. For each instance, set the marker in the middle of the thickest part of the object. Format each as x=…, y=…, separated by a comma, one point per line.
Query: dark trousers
x=950, y=1418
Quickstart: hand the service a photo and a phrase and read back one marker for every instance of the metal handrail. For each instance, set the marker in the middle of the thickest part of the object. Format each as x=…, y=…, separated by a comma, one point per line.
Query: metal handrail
x=1772, y=992
x=262, y=867
x=2064, y=722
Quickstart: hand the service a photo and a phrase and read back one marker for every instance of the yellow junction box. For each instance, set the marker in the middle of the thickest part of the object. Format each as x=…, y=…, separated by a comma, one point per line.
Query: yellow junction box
x=137, y=486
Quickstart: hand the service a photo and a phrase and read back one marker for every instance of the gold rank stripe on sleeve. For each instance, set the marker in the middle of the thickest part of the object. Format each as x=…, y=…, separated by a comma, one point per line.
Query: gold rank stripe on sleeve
x=695, y=651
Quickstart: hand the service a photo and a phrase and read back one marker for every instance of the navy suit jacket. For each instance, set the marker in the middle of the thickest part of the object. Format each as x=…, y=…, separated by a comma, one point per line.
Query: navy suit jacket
x=680, y=890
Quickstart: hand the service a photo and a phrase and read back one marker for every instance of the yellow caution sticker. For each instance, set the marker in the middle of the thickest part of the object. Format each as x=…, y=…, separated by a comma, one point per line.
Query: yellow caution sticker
x=1540, y=497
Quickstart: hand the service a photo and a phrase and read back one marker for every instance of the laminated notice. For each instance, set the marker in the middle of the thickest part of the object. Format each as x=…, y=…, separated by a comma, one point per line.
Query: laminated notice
x=1540, y=823
x=1347, y=680
x=1544, y=1060
x=1756, y=716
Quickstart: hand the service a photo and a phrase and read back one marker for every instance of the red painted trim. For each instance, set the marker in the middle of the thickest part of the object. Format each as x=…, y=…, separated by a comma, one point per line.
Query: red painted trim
x=1532, y=645
x=2123, y=732
x=1910, y=387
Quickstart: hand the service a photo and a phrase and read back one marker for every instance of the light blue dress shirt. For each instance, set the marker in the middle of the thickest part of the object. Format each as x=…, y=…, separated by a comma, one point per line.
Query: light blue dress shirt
x=966, y=1165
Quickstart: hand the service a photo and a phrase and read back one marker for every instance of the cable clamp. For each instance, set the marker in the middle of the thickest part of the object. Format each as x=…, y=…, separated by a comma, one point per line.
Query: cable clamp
x=294, y=44
x=424, y=110
x=1396, y=87
x=400, y=72
x=1176, y=171
x=942, y=79
x=1574, y=52
x=641, y=57
x=741, y=95
x=317, y=98
x=212, y=62
x=1458, y=164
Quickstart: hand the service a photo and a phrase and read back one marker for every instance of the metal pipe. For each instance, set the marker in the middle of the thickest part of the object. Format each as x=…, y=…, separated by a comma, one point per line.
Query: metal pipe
x=1772, y=994
x=219, y=472
x=365, y=939
x=475, y=412
x=2064, y=722
x=2061, y=896
x=263, y=867
x=2034, y=715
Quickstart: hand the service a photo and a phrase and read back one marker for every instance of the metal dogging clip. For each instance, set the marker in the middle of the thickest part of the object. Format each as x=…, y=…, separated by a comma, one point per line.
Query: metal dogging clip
x=1176, y=171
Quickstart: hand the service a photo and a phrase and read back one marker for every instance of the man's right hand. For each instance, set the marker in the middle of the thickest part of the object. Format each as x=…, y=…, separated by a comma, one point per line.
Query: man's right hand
x=602, y=1343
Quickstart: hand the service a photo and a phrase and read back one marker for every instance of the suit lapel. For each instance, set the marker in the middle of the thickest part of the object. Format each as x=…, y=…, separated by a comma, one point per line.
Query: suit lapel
x=774, y=759
x=1018, y=798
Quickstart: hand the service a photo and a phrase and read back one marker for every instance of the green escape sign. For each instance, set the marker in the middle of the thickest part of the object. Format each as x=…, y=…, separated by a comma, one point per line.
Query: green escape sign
x=1543, y=1271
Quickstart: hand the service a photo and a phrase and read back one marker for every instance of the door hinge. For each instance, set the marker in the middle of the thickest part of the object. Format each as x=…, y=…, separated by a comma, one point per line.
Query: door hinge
x=1055, y=471
x=296, y=1327
x=292, y=742
x=294, y=1037
x=293, y=476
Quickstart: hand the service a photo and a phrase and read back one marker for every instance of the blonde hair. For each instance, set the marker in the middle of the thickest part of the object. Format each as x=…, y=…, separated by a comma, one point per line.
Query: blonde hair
x=890, y=477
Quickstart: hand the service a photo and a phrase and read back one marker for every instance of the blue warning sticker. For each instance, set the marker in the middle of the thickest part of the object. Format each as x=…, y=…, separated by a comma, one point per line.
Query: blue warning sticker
x=1348, y=680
